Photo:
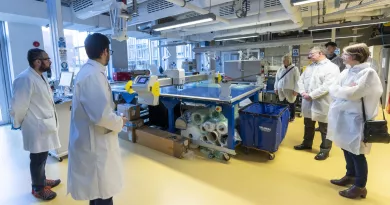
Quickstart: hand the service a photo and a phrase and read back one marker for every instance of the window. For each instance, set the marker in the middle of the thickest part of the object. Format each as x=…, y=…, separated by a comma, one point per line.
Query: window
x=183, y=53
x=155, y=52
x=76, y=55
x=142, y=53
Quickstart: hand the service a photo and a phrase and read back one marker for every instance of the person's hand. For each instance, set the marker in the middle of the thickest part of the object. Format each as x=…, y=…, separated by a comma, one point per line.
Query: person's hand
x=307, y=97
x=124, y=119
x=295, y=93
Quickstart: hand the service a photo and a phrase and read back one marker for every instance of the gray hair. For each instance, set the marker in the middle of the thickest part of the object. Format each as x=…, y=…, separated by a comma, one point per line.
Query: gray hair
x=288, y=58
x=320, y=48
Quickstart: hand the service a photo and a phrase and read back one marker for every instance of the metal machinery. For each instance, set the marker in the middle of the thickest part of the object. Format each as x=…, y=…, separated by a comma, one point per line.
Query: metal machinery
x=207, y=89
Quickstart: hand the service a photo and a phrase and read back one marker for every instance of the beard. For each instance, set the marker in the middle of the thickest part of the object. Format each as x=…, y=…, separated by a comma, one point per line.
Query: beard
x=107, y=60
x=44, y=69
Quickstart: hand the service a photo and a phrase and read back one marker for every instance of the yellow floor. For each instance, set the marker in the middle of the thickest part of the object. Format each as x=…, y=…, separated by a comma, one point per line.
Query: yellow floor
x=152, y=178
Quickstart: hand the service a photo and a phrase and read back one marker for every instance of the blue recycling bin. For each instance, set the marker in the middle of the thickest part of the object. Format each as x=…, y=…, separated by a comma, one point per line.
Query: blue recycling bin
x=263, y=126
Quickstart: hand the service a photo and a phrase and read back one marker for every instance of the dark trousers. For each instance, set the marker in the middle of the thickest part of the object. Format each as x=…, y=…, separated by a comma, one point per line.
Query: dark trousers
x=37, y=170
x=291, y=108
x=357, y=167
x=101, y=202
x=308, y=138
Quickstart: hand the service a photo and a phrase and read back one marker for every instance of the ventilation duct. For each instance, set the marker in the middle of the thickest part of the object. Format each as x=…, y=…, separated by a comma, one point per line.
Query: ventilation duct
x=84, y=9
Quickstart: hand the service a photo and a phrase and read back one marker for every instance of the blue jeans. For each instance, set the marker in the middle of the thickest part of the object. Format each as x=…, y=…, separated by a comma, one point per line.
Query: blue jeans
x=357, y=167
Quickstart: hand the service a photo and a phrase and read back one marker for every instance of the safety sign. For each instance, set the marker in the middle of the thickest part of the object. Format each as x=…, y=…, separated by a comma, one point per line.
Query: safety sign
x=64, y=65
x=295, y=52
x=61, y=42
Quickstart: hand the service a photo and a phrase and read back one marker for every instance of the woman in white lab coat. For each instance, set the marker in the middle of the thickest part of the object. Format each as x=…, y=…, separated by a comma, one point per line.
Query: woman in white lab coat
x=286, y=84
x=345, y=126
x=94, y=170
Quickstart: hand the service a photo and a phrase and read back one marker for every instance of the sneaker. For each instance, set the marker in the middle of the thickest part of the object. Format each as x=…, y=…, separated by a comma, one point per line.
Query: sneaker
x=45, y=194
x=52, y=183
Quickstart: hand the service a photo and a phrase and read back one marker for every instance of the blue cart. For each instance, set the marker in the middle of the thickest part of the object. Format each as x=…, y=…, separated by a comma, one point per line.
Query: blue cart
x=208, y=94
x=263, y=126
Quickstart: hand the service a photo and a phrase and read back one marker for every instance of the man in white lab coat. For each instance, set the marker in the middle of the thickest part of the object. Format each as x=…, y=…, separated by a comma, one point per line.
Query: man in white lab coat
x=94, y=170
x=33, y=111
x=314, y=86
x=331, y=55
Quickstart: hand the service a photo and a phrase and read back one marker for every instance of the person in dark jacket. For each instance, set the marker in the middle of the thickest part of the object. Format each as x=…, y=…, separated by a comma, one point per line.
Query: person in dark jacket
x=331, y=47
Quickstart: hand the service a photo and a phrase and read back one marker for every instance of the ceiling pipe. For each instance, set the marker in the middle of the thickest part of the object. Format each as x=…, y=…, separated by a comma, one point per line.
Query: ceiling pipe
x=264, y=44
x=293, y=11
x=197, y=9
x=239, y=23
x=263, y=30
x=361, y=6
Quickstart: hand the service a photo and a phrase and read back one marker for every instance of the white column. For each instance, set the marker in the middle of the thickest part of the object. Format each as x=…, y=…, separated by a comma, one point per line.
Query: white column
x=333, y=35
x=58, y=38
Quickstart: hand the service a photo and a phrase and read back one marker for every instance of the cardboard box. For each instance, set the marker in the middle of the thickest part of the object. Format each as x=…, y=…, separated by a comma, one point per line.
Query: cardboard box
x=128, y=131
x=163, y=141
x=130, y=111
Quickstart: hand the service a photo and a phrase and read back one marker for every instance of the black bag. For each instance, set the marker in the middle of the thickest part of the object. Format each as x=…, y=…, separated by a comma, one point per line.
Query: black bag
x=375, y=131
x=286, y=73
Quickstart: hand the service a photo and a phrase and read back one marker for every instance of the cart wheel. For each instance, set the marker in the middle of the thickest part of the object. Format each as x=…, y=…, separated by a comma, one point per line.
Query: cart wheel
x=271, y=156
x=246, y=150
x=226, y=157
x=211, y=156
x=60, y=159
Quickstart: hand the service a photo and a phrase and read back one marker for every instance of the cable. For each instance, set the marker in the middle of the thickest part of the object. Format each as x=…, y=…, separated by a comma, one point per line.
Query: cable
x=184, y=3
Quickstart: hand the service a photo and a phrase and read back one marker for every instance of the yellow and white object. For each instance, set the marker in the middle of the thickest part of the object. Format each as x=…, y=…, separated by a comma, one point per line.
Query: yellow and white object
x=147, y=88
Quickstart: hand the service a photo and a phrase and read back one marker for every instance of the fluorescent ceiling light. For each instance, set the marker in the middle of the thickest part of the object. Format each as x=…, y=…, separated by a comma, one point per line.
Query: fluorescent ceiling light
x=227, y=38
x=301, y=2
x=337, y=37
x=185, y=22
x=349, y=24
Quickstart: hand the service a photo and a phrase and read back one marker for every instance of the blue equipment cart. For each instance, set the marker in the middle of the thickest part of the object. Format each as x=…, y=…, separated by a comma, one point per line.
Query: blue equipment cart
x=264, y=126
x=208, y=94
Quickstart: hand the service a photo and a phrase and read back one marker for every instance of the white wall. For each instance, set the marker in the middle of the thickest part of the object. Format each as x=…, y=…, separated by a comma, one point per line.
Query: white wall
x=21, y=38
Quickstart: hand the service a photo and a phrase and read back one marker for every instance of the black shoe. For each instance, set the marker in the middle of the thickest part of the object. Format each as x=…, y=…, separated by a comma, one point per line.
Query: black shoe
x=321, y=156
x=317, y=129
x=302, y=147
x=345, y=181
x=354, y=192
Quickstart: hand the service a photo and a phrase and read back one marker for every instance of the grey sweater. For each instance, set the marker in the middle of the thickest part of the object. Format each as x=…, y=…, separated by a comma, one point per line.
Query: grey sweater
x=337, y=60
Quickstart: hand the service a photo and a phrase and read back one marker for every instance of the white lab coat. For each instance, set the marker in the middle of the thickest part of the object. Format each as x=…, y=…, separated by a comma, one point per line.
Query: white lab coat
x=315, y=81
x=345, y=127
x=288, y=84
x=33, y=110
x=95, y=166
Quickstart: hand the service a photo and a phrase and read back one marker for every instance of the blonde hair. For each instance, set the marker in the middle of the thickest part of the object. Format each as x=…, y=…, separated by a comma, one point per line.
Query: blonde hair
x=358, y=52
x=287, y=57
